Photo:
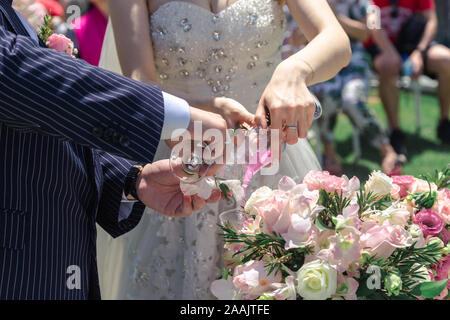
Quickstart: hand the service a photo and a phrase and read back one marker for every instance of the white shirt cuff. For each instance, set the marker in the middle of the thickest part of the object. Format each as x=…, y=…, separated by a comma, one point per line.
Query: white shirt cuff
x=126, y=207
x=177, y=115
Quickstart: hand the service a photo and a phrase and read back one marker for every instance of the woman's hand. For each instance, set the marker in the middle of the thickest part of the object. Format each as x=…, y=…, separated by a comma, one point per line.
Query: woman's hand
x=232, y=111
x=289, y=101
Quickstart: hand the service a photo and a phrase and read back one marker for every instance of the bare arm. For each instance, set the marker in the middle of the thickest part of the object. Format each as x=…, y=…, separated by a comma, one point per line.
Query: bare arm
x=328, y=50
x=287, y=97
x=131, y=30
x=430, y=29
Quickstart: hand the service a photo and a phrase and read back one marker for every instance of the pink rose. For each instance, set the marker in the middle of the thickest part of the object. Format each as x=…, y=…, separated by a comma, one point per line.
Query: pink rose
x=430, y=222
x=404, y=182
x=317, y=180
x=442, y=205
x=251, y=279
x=274, y=211
x=383, y=240
x=61, y=43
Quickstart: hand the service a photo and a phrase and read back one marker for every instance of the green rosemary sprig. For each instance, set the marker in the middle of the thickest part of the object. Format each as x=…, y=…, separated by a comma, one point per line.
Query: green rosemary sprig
x=46, y=30
x=271, y=248
x=334, y=204
x=440, y=178
x=408, y=263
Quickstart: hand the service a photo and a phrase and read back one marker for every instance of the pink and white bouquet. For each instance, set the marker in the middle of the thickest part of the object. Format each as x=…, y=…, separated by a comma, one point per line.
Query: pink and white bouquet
x=330, y=237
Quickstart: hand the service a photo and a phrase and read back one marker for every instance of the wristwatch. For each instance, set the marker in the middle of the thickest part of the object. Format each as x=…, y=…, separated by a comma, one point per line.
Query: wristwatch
x=129, y=187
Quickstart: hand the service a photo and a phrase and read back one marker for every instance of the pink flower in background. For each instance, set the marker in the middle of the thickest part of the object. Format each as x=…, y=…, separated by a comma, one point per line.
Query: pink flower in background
x=251, y=279
x=383, y=240
x=317, y=180
x=404, y=182
x=430, y=222
x=61, y=43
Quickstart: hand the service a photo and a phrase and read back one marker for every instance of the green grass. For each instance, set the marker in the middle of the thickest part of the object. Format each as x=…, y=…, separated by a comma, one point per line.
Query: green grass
x=425, y=152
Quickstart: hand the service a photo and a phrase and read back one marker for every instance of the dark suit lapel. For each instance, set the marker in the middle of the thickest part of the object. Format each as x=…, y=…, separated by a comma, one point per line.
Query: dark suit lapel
x=13, y=19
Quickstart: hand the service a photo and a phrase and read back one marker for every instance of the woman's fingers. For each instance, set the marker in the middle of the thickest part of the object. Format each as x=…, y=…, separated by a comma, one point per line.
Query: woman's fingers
x=260, y=115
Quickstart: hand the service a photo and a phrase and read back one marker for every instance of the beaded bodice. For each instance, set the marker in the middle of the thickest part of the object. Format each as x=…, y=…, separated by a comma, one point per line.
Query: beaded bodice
x=233, y=53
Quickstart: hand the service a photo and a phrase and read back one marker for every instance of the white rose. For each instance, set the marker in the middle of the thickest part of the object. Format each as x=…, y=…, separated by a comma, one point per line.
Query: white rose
x=261, y=193
x=379, y=184
x=317, y=280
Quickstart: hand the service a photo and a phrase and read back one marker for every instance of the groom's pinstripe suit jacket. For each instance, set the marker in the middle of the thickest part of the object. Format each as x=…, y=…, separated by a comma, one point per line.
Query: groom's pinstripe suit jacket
x=55, y=114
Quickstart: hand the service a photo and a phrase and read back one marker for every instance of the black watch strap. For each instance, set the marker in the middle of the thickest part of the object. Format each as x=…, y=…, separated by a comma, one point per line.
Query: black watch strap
x=130, y=181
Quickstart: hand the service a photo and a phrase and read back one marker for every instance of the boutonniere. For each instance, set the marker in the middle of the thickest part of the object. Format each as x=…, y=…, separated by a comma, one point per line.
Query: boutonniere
x=58, y=42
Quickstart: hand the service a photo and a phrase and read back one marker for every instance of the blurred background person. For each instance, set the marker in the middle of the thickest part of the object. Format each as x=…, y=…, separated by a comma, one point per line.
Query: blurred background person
x=408, y=28
x=348, y=91
x=89, y=31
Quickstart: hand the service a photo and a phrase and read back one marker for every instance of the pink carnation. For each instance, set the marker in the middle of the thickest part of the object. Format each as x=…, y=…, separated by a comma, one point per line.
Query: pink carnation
x=404, y=182
x=317, y=180
x=61, y=43
x=430, y=222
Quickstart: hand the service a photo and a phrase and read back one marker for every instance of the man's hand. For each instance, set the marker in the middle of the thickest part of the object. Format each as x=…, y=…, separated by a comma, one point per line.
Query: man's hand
x=159, y=190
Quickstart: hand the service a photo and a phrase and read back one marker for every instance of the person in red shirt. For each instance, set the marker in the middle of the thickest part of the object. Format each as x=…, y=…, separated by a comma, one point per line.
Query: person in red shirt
x=408, y=28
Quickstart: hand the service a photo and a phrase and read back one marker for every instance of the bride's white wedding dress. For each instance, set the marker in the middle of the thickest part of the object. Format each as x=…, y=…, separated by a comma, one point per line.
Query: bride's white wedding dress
x=234, y=54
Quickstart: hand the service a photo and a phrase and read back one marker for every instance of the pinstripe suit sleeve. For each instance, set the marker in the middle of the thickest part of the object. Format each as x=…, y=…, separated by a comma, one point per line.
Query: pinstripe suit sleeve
x=68, y=98
x=114, y=171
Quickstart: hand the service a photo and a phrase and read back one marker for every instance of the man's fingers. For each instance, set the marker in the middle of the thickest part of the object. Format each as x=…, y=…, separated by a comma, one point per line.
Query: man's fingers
x=185, y=209
x=198, y=203
x=216, y=195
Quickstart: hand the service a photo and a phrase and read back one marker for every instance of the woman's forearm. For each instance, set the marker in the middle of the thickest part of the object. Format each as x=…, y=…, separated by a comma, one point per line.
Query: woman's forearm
x=328, y=50
x=322, y=58
x=134, y=47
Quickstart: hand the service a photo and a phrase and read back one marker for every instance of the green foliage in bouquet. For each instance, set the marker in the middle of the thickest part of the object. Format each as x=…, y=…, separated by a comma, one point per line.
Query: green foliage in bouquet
x=401, y=276
x=440, y=178
x=334, y=205
x=270, y=247
x=46, y=30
